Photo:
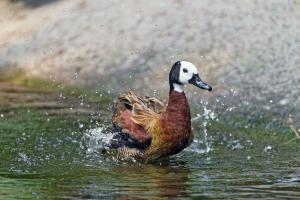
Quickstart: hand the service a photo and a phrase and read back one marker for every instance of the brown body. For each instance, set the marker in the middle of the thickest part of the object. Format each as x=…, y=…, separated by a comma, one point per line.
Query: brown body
x=155, y=130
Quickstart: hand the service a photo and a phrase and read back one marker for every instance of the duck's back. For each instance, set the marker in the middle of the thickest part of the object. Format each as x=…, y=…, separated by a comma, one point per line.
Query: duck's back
x=132, y=116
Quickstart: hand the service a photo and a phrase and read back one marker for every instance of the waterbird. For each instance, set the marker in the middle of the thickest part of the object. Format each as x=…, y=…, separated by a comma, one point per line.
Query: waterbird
x=146, y=128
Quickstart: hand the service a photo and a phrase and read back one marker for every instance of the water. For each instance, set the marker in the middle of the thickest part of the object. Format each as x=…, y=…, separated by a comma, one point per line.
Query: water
x=53, y=150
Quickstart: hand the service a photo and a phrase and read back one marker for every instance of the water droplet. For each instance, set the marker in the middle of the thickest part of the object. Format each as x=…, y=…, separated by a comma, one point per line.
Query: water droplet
x=267, y=148
x=283, y=102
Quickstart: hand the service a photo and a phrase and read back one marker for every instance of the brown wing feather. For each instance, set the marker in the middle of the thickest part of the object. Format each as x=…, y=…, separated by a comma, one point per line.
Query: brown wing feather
x=144, y=110
x=147, y=102
x=155, y=104
x=132, y=115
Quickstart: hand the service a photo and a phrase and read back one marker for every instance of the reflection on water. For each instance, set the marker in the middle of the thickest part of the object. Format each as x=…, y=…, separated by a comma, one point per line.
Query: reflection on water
x=51, y=151
x=140, y=182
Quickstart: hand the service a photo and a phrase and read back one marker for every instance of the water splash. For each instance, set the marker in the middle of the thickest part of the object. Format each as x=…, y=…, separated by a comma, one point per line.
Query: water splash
x=205, y=118
x=22, y=157
x=96, y=139
x=203, y=143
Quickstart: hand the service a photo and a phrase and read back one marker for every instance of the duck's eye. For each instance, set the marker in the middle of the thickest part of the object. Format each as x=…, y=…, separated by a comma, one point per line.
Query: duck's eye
x=185, y=70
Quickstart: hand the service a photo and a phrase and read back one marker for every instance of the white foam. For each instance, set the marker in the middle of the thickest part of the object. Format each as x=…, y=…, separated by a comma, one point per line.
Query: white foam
x=95, y=139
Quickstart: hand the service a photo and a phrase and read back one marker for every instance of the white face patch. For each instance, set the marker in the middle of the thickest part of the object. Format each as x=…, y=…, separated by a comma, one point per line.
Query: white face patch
x=187, y=70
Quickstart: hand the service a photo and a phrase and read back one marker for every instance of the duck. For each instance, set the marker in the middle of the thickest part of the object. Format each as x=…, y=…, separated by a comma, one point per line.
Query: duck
x=147, y=129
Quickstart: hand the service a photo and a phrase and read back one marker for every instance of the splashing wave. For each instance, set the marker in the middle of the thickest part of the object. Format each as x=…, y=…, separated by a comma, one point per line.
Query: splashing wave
x=96, y=139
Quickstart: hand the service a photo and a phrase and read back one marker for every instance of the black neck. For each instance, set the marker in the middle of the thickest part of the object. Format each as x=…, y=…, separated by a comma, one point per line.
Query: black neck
x=174, y=75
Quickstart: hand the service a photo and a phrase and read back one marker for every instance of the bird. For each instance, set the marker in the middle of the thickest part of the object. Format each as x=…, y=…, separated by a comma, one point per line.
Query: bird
x=149, y=130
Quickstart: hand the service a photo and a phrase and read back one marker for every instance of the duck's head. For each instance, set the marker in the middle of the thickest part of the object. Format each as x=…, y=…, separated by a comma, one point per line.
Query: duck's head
x=184, y=72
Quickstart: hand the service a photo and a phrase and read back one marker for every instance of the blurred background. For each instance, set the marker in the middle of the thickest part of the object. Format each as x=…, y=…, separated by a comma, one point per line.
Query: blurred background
x=251, y=47
x=62, y=62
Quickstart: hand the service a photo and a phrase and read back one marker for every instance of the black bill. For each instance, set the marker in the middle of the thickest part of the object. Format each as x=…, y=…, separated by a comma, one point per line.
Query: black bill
x=196, y=80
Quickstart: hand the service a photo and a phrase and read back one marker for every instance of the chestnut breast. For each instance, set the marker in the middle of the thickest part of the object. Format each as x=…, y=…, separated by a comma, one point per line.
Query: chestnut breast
x=176, y=123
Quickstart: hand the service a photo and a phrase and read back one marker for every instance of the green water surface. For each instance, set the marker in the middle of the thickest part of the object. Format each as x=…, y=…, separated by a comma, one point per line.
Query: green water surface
x=43, y=155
